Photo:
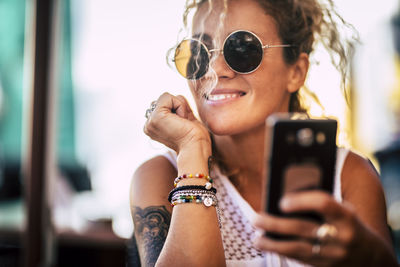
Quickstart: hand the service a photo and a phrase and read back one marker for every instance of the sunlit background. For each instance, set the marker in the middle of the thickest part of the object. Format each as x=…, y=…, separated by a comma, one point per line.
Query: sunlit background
x=116, y=54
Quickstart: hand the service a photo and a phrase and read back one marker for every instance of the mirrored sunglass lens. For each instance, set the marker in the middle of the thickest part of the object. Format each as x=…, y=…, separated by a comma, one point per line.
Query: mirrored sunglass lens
x=191, y=59
x=243, y=51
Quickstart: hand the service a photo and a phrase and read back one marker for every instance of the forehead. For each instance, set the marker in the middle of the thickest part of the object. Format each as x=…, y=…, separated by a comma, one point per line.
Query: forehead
x=213, y=19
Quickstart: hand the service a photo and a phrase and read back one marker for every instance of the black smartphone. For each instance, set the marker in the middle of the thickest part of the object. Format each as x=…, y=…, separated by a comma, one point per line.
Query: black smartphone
x=300, y=155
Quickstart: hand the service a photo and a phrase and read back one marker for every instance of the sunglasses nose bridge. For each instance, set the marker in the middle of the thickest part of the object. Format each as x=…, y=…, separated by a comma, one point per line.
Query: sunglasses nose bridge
x=214, y=55
x=216, y=51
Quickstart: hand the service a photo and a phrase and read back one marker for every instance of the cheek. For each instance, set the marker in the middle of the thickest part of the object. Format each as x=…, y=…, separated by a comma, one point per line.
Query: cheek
x=267, y=83
x=195, y=89
x=272, y=77
x=270, y=92
x=273, y=65
x=200, y=87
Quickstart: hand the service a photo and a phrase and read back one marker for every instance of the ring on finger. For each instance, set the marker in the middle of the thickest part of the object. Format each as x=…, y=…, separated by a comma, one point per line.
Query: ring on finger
x=316, y=249
x=326, y=230
x=153, y=106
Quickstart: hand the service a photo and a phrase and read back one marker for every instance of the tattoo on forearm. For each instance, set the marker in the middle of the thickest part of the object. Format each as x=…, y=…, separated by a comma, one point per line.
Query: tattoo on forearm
x=151, y=228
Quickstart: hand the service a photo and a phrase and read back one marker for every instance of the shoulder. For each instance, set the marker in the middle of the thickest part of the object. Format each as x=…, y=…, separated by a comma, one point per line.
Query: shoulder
x=361, y=187
x=152, y=182
x=358, y=174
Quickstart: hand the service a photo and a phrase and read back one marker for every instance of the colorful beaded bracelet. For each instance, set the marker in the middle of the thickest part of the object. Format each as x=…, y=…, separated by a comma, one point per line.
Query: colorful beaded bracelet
x=190, y=187
x=197, y=175
x=206, y=197
x=207, y=200
x=192, y=194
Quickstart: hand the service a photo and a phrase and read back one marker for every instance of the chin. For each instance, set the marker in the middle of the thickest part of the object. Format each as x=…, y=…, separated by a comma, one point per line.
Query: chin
x=227, y=128
x=232, y=123
x=218, y=127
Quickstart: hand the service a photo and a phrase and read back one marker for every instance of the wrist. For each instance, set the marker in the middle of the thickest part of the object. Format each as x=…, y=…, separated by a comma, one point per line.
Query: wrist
x=193, y=158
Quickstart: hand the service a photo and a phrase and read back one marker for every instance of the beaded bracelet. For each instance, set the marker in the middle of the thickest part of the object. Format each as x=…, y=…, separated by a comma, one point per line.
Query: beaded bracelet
x=188, y=197
x=197, y=196
x=197, y=175
x=190, y=187
x=192, y=194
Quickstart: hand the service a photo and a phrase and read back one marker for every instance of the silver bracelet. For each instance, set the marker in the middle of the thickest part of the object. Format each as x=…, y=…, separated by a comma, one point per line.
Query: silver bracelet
x=198, y=196
x=208, y=199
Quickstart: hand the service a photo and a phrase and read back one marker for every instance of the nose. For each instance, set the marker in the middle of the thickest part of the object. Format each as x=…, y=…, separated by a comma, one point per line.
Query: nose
x=220, y=67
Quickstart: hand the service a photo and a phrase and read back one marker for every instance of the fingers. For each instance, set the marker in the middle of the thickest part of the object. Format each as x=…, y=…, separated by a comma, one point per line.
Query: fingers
x=315, y=243
x=178, y=105
x=314, y=201
x=162, y=109
x=294, y=248
x=188, y=112
x=301, y=250
x=303, y=245
x=171, y=122
x=340, y=216
x=286, y=226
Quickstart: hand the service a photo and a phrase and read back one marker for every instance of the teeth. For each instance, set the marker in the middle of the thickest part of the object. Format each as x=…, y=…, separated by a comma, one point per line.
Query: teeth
x=222, y=96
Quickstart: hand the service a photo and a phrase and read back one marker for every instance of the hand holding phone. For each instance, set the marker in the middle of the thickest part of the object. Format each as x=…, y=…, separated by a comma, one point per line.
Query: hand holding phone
x=300, y=155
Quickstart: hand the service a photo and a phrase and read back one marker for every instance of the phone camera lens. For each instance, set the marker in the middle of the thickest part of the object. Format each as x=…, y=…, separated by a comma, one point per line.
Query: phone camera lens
x=305, y=137
x=321, y=138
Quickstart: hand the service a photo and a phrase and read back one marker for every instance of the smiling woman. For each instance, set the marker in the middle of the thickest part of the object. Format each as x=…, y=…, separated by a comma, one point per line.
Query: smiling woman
x=246, y=60
x=116, y=52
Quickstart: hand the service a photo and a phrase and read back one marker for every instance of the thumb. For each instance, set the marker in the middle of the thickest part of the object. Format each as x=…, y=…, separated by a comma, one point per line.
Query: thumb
x=184, y=109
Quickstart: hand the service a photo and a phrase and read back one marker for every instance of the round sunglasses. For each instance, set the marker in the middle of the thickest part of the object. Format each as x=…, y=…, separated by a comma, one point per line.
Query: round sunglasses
x=243, y=52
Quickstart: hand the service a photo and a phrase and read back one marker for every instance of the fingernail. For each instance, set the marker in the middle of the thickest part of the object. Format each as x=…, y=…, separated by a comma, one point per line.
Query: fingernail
x=284, y=203
x=258, y=233
x=256, y=240
x=254, y=219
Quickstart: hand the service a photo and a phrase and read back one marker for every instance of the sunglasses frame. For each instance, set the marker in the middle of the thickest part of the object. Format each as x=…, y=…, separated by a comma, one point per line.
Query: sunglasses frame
x=221, y=50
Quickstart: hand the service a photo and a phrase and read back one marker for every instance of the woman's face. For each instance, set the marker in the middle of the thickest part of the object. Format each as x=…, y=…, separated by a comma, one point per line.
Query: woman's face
x=240, y=102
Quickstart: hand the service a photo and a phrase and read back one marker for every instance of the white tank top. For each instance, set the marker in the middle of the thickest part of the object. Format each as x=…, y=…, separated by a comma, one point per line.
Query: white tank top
x=237, y=232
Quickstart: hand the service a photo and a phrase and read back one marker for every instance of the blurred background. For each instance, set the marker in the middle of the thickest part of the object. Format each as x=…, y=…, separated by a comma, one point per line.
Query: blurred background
x=112, y=64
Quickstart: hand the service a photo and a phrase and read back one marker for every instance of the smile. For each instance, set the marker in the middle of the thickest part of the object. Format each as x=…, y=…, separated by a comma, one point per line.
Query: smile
x=222, y=96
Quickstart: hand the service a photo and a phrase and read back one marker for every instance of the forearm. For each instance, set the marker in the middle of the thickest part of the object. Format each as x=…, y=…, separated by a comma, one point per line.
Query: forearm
x=194, y=238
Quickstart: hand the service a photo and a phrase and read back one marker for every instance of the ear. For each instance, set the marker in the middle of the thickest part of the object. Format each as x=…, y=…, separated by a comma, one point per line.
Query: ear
x=298, y=73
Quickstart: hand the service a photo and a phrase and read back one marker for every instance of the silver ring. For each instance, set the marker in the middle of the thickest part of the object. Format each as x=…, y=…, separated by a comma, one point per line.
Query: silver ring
x=153, y=106
x=316, y=249
x=326, y=230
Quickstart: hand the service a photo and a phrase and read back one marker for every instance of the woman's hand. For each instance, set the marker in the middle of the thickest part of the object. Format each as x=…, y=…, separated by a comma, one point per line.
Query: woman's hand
x=173, y=123
x=346, y=241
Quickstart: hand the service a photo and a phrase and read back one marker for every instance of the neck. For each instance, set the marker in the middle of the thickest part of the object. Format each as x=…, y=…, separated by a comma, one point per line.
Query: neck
x=243, y=154
x=243, y=159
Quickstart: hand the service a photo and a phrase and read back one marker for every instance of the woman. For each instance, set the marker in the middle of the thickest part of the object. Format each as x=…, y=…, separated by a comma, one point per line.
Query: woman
x=234, y=97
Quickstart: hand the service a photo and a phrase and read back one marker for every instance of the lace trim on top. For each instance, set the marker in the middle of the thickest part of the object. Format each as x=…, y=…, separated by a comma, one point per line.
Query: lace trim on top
x=237, y=232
